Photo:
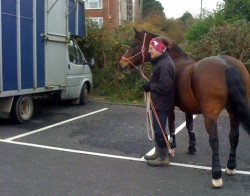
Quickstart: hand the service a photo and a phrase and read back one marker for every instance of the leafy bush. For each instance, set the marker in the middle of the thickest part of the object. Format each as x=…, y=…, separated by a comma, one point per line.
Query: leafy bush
x=230, y=39
x=198, y=29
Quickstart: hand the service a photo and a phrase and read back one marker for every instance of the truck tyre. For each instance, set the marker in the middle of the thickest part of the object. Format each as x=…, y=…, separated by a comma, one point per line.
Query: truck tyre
x=84, y=94
x=22, y=109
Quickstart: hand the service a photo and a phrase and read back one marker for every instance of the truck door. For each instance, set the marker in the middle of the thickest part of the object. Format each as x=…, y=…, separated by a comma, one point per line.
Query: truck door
x=55, y=43
x=78, y=70
x=55, y=66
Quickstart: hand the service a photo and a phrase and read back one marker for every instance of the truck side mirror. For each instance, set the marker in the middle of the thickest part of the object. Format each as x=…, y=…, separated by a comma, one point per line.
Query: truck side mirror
x=92, y=62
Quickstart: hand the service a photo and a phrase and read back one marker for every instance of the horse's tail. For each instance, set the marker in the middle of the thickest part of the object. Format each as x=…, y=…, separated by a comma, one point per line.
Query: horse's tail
x=237, y=97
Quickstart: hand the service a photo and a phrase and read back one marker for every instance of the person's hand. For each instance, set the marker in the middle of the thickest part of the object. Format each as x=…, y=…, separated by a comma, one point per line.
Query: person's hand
x=146, y=87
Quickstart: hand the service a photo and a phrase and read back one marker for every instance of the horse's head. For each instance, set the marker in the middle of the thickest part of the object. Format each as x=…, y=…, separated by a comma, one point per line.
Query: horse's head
x=137, y=53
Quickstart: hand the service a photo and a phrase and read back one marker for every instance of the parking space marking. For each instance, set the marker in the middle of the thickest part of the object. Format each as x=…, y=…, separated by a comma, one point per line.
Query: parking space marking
x=71, y=150
x=182, y=125
x=114, y=156
x=10, y=141
x=53, y=125
x=176, y=131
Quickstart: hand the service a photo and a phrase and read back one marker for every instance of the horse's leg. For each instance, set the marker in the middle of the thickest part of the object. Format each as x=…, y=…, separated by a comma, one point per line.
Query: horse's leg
x=234, y=139
x=171, y=126
x=211, y=127
x=190, y=128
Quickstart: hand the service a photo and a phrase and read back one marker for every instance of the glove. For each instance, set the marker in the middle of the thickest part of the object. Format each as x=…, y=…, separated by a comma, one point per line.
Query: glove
x=146, y=87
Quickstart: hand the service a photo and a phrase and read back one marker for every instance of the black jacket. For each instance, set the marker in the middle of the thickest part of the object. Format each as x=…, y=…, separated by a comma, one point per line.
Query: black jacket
x=162, y=83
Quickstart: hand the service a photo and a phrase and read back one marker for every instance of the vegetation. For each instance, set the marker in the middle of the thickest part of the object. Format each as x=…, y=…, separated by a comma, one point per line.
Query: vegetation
x=151, y=7
x=223, y=31
x=231, y=39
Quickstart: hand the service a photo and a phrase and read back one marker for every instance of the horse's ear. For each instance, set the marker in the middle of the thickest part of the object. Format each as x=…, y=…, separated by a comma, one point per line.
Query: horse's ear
x=136, y=31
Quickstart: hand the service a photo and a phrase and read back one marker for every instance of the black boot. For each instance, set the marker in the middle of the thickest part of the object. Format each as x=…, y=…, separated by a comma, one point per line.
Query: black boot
x=153, y=156
x=162, y=160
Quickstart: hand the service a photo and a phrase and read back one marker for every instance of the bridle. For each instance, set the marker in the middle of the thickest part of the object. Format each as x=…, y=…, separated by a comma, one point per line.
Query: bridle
x=139, y=68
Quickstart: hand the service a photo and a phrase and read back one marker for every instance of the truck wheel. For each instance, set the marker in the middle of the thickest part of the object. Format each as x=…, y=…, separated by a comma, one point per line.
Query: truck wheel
x=84, y=94
x=22, y=109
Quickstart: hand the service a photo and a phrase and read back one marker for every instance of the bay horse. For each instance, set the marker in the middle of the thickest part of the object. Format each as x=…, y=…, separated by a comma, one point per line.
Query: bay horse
x=205, y=87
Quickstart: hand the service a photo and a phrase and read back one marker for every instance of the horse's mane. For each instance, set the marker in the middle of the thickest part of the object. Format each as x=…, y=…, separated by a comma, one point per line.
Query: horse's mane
x=152, y=34
x=175, y=47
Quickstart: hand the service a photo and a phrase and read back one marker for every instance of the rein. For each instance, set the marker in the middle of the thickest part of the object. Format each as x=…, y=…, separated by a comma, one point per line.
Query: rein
x=149, y=101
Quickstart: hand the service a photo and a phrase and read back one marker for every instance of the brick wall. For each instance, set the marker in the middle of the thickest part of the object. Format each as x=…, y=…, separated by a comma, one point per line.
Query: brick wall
x=110, y=12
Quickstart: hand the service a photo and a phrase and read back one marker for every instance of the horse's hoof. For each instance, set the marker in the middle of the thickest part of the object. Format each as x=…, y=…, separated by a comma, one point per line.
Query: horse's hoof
x=230, y=172
x=217, y=183
x=191, y=151
x=172, y=152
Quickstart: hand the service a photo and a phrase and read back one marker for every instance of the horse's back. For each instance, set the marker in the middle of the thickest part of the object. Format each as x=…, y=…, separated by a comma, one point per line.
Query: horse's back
x=209, y=80
x=212, y=70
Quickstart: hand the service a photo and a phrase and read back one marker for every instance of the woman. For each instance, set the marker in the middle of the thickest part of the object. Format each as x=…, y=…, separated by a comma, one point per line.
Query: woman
x=162, y=88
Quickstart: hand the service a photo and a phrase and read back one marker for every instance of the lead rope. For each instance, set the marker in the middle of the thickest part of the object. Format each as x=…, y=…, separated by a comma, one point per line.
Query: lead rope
x=149, y=101
x=149, y=117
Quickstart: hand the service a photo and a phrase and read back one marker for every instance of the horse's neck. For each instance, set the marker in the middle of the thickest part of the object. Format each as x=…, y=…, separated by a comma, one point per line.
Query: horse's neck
x=182, y=64
x=180, y=58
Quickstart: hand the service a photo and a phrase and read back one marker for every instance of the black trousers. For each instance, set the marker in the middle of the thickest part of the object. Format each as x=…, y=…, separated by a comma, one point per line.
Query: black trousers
x=159, y=138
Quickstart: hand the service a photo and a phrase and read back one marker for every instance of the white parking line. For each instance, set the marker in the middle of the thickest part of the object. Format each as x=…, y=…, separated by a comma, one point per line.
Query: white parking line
x=54, y=125
x=176, y=131
x=182, y=125
x=70, y=150
x=114, y=156
x=10, y=141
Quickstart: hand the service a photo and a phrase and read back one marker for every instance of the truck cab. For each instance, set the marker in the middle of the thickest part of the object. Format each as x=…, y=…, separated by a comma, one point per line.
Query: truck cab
x=79, y=77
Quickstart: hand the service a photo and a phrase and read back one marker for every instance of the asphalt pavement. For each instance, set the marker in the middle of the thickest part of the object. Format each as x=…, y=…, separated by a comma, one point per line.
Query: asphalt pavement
x=98, y=149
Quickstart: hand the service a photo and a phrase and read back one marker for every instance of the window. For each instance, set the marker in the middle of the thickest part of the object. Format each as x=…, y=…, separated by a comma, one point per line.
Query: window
x=129, y=11
x=93, y=4
x=71, y=49
x=79, y=57
x=97, y=20
x=75, y=55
